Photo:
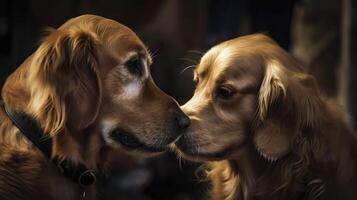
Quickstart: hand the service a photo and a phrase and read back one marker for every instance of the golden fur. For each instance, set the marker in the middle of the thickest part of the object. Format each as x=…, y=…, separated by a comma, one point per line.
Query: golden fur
x=262, y=128
x=88, y=81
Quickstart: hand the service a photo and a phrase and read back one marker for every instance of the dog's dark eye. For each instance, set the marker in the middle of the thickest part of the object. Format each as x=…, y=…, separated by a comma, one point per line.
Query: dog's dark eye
x=224, y=92
x=135, y=66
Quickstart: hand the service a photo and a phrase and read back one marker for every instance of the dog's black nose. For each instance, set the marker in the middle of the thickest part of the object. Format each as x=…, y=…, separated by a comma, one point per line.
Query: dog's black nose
x=182, y=120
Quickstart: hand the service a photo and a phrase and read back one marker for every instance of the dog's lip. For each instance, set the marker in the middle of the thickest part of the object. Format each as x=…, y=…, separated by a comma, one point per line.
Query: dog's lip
x=130, y=141
x=193, y=155
x=188, y=150
x=148, y=148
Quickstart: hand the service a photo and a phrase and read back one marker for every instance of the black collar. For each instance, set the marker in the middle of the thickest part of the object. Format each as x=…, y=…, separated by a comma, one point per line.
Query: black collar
x=30, y=128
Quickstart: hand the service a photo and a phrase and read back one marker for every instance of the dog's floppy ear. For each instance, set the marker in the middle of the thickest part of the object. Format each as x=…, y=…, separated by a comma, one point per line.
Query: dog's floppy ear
x=64, y=80
x=288, y=102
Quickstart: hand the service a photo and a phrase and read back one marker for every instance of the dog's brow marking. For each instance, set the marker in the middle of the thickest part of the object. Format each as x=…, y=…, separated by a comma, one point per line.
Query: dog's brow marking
x=146, y=68
x=131, y=90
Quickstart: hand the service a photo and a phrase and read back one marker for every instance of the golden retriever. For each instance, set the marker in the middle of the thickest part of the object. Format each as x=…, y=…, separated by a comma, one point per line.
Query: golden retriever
x=265, y=132
x=88, y=88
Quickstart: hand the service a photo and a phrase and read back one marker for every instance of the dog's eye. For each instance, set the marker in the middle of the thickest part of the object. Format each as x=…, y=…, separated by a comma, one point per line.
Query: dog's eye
x=224, y=92
x=135, y=66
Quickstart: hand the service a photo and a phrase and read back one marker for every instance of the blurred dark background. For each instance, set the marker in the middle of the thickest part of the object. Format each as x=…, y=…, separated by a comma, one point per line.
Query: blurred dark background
x=322, y=34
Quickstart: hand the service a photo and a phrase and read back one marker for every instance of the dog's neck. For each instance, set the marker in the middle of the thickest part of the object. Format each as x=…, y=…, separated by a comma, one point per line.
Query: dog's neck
x=337, y=154
x=237, y=177
x=260, y=177
x=16, y=94
x=250, y=166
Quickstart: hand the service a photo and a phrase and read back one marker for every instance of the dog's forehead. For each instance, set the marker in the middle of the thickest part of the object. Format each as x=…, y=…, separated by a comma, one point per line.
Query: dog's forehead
x=225, y=62
x=123, y=50
x=116, y=37
x=122, y=47
x=207, y=62
x=124, y=40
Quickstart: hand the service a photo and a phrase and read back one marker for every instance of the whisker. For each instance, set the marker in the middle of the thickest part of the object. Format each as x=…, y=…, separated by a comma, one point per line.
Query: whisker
x=198, y=150
x=153, y=54
x=186, y=68
x=196, y=52
x=180, y=160
x=189, y=60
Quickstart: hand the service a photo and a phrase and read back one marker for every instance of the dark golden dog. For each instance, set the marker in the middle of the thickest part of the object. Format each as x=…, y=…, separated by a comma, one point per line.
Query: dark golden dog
x=260, y=123
x=89, y=88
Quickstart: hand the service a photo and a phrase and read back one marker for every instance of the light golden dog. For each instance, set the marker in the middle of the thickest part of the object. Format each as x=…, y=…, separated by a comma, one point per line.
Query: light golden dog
x=259, y=122
x=88, y=88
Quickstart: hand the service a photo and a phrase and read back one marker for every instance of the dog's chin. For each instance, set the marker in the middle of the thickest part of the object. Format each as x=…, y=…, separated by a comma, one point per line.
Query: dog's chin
x=123, y=139
x=197, y=156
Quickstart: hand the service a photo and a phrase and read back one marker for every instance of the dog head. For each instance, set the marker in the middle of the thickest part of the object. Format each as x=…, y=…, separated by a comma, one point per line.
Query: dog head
x=90, y=80
x=249, y=92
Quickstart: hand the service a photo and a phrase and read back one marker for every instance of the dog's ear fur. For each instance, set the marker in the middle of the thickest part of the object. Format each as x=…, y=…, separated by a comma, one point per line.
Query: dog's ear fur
x=288, y=103
x=64, y=80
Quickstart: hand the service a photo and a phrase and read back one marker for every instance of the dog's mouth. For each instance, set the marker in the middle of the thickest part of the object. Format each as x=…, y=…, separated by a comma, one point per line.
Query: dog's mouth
x=193, y=151
x=132, y=142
